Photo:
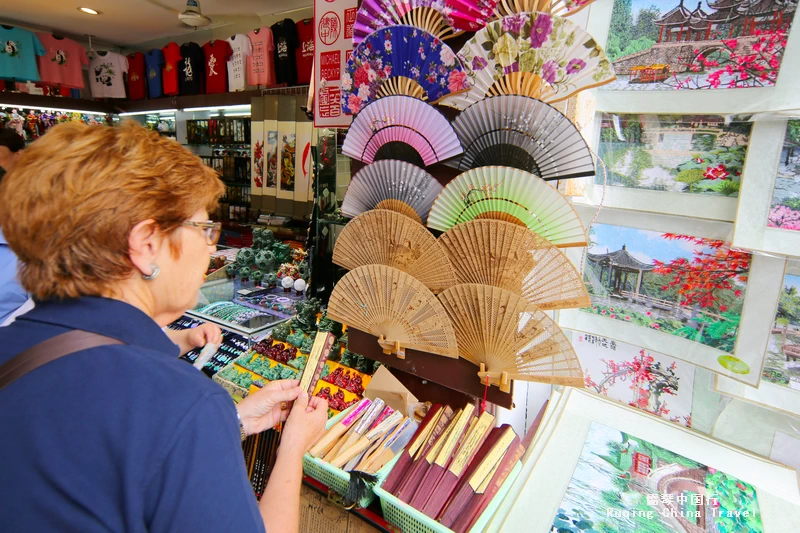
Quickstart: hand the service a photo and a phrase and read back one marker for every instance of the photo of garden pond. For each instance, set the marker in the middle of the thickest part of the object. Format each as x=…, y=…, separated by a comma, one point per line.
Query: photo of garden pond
x=699, y=154
x=782, y=363
x=623, y=483
x=680, y=285
x=784, y=211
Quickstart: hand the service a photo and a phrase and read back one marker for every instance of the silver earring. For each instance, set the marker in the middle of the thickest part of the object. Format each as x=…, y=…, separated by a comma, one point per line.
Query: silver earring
x=153, y=275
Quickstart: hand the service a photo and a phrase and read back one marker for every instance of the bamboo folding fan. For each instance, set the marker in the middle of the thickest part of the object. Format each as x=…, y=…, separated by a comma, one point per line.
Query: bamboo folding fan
x=394, y=185
x=382, y=237
x=398, y=309
x=531, y=54
x=561, y=8
x=510, y=194
x=509, y=338
x=404, y=128
x=511, y=257
x=400, y=60
x=525, y=133
x=442, y=19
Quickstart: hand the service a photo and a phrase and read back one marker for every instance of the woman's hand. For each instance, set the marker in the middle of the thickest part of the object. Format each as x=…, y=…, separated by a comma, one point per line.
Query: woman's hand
x=262, y=410
x=189, y=339
x=305, y=425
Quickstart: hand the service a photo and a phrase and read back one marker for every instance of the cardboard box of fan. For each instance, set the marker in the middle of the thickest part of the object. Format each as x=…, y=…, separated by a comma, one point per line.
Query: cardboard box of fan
x=319, y=515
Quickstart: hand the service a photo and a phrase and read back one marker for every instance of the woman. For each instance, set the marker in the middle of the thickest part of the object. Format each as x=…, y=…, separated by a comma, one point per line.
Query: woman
x=111, y=229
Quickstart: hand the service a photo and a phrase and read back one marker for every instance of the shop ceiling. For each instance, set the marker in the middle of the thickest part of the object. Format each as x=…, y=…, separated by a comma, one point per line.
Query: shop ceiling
x=128, y=22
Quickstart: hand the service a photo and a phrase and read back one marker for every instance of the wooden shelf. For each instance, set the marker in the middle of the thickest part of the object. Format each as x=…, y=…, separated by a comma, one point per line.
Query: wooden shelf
x=55, y=102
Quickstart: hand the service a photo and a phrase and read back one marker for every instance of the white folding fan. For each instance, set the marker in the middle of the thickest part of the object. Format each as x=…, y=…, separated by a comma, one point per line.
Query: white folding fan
x=531, y=54
x=524, y=133
x=561, y=8
x=510, y=194
x=401, y=127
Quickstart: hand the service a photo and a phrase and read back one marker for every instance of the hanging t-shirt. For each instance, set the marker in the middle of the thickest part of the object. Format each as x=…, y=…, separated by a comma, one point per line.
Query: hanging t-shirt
x=62, y=63
x=191, y=75
x=136, y=76
x=217, y=54
x=172, y=59
x=105, y=75
x=18, y=51
x=154, y=61
x=261, y=63
x=240, y=45
x=285, y=35
x=305, y=51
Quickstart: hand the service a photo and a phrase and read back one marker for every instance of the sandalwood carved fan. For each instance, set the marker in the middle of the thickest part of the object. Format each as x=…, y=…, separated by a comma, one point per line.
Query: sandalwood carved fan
x=525, y=133
x=511, y=257
x=509, y=338
x=398, y=309
x=531, y=54
x=382, y=237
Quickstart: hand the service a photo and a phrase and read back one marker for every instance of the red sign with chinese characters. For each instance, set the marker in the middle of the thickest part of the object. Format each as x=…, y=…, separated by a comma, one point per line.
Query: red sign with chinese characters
x=333, y=44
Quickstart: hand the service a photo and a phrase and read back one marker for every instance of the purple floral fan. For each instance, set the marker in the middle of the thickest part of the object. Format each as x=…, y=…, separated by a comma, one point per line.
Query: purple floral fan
x=401, y=60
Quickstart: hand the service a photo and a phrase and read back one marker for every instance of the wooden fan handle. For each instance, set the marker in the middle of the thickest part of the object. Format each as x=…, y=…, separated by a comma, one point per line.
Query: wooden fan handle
x=500, y=379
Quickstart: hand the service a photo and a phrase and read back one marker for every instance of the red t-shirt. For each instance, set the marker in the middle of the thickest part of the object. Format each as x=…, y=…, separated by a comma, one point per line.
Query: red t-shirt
x=305, y=52
x=217, y=54
x=136, y=77
x=172, y=57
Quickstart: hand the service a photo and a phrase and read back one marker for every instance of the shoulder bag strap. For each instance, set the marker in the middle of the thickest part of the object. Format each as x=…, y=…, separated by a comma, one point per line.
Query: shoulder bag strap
x=50, y=350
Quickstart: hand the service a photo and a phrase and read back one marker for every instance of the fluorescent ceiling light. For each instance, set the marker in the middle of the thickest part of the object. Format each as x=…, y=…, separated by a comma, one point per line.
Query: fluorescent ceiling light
x=243, y=107
x=243, y=114
x=62, y=110
x=152, y=112
x=89, y=11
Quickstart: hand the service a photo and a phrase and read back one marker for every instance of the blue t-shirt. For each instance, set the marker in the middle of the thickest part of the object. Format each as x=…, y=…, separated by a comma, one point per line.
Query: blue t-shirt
x=154, y=62
x=117, y=438
x=12, y=295
x=18, y=51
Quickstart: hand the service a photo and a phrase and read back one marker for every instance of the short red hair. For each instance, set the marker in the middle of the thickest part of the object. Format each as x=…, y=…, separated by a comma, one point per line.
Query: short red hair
x=71, y=201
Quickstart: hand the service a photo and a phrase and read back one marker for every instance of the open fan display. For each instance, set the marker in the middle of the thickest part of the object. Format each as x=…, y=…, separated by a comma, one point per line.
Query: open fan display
x=510, y=194
x=400, y=60
x=509, y=338
x=392, y=305
x=401, y=127
x=561, y=8
x=382, y=237
x=524, y=133
x=531, y=54
x=511, y=257
x=394, y=185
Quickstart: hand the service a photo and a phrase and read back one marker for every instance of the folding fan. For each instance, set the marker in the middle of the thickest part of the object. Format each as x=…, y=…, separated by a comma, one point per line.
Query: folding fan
x=562, y=8
x=394, y=185
x=443, y=19
x=509, y=194
x=509, y=256
x=509, y=338
x=401, y=127
x=399, y=309
x=400, y=60
x=531, y=54
x=382, y=237
x=521, y=132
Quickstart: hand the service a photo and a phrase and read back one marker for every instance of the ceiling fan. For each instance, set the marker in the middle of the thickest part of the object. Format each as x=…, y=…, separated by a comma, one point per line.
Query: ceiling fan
x=193, y=17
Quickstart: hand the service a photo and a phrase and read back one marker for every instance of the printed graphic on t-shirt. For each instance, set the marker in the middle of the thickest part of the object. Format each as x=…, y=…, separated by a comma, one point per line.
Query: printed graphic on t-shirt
x=212, y=62
x=283, y=49
x=188, y=71
x=61, y=57
x=104, y=73
x=152, y=74
x=258, y=57
x=307, y=48
x=11, y=49
x=169, y=67
x=135, y=77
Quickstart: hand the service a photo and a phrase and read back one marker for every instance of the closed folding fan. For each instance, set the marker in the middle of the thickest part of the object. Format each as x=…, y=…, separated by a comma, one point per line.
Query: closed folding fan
x=395, y=307
x=531, y=54
x=394, y=185
x=561, y=8
x=512, y=257
x=510, y=194
x=400, y=60
x=509, y=338
x=382, y=237
x=525, y=133
x=401, y=127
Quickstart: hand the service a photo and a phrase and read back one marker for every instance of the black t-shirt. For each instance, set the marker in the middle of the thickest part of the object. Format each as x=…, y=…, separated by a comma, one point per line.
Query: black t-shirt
x=192, y=67
x=286, y=40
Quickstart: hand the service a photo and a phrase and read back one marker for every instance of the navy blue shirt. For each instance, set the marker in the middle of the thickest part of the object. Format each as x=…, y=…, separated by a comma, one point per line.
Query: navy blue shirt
x=117, y=438
x=154, y=62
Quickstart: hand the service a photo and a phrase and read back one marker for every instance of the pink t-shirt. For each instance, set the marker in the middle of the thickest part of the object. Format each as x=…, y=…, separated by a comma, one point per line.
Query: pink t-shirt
x=261, y=63
x=63, y=61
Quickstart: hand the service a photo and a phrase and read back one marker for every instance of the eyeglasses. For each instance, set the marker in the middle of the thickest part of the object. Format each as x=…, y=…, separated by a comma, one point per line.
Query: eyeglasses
x=211, y=229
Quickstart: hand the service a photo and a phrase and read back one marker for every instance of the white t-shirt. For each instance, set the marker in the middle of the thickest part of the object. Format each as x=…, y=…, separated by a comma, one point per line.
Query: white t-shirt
x=105, y=75
x=240, y=45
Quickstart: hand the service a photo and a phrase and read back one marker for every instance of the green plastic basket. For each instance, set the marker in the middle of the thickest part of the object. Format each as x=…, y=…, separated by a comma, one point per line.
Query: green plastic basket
x=337, y=479
x=409, y=520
